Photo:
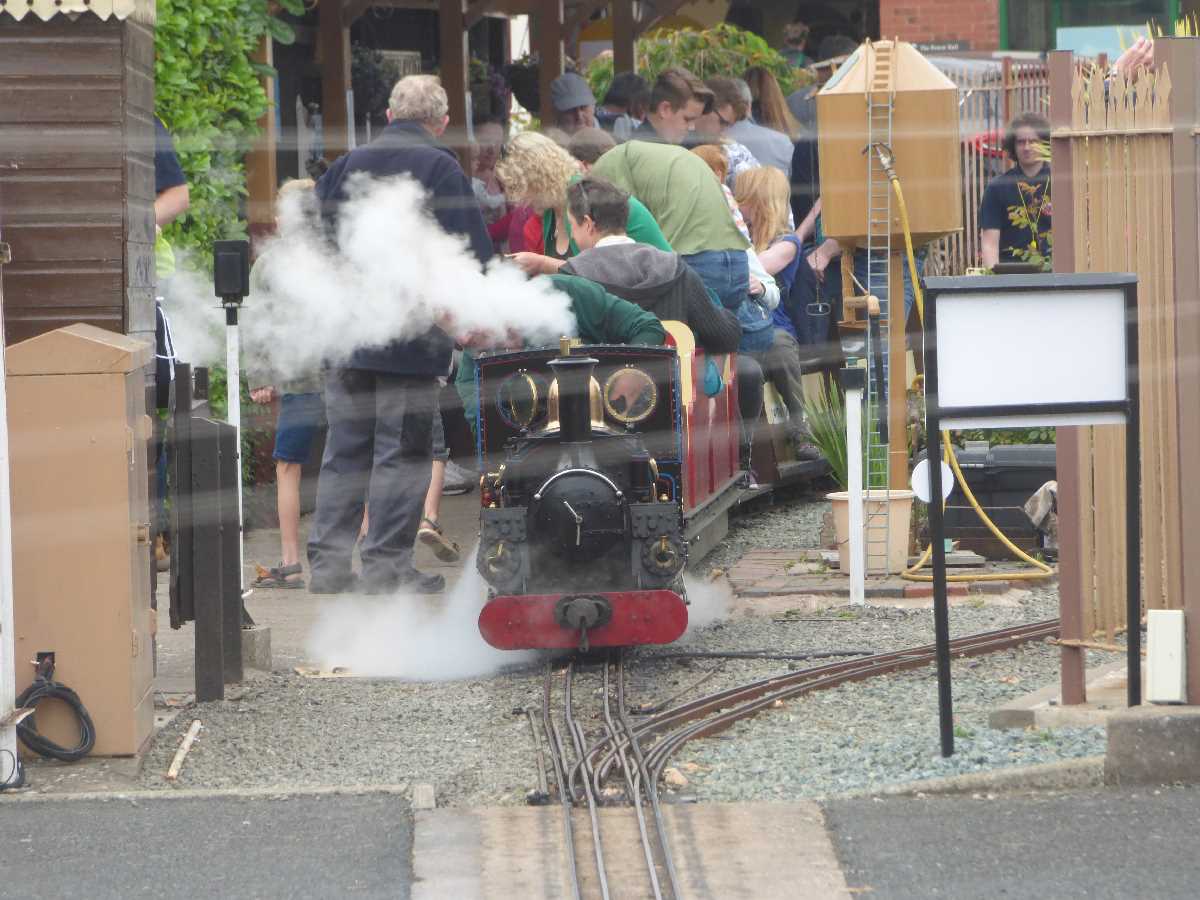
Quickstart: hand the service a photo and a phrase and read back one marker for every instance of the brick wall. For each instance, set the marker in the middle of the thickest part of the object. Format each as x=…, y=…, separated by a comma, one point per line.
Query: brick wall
x=976, y=22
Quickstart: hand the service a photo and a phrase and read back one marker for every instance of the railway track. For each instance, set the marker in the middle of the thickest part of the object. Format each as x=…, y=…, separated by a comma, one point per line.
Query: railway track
x=640, y=750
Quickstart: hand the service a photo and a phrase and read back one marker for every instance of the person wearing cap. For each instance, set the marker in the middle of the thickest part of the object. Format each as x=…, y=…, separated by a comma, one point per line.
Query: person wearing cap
x=574, y=103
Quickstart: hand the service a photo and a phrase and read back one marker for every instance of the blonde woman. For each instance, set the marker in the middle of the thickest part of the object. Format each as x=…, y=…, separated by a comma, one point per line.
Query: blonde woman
x=536, y=171
x=763, y=197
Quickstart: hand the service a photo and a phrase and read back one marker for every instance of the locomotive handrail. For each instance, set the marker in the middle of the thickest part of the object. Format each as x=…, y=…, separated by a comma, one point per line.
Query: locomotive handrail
x=681, y=338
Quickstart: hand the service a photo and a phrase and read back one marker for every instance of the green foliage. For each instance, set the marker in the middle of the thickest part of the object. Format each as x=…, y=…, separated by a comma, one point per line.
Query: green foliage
x=254, y=439
x=722, y=50
x=825, y=412
x=1007, y=436
x=373, y=78
x=208, y=94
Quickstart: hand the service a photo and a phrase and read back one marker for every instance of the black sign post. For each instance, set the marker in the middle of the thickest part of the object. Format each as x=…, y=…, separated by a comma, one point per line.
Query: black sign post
x=997, y=287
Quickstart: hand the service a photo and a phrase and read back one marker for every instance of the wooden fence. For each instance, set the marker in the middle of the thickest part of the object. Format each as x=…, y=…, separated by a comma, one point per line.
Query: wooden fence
x=989, y=96
x=1124, y=190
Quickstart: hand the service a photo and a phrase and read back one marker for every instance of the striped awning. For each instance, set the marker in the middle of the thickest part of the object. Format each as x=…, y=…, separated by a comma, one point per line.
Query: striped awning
x=140, y=10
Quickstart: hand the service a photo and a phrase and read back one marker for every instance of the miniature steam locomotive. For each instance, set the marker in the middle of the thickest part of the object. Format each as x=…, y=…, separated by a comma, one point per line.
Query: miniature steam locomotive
x=581, y=525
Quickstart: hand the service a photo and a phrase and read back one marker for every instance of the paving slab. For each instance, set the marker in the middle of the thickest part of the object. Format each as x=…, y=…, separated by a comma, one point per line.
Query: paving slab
x=721, y=851
x=1105, y=688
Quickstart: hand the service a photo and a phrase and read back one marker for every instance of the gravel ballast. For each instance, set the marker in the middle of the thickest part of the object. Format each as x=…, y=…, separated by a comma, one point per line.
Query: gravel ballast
x=471, y=739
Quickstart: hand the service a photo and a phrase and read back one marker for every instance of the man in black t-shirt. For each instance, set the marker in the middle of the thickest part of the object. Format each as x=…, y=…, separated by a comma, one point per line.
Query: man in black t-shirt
x=1022, y=193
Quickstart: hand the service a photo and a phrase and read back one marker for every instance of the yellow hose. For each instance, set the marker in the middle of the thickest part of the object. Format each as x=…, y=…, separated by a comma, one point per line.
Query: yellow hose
x=1044, y=571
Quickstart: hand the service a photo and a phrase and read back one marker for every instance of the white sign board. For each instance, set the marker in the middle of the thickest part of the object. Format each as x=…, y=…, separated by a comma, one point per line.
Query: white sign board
x=1028, y=349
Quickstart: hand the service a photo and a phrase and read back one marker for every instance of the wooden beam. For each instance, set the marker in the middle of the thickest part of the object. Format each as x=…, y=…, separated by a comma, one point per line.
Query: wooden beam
x=624, y=36
x=333, y=47
x=353, y=9
x=548, y=43
x=452, y=60
x=477, y=9
x=668, y=9
x=261, y=174
x=583, y=14
x=1069, y=452
x=1183, y=62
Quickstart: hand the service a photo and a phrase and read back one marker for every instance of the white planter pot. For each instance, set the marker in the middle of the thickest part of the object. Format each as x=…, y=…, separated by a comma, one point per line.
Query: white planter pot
x=890, y=509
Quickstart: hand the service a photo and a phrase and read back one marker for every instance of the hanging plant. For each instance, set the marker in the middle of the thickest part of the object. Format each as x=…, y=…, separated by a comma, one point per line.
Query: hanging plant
x=721, y=50
x=209, y=94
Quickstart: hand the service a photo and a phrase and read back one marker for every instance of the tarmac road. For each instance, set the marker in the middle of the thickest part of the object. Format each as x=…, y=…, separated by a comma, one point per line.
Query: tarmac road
x=1119, y=843
x=220, y=846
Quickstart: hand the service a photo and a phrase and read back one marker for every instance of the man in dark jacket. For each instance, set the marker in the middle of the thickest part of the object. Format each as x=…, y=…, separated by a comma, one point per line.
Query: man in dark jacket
x=380, y=403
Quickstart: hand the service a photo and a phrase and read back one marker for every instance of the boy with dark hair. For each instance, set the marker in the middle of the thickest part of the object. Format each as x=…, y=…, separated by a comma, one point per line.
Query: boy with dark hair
x=677, y=100
x=653, y=279
x=1026, y=187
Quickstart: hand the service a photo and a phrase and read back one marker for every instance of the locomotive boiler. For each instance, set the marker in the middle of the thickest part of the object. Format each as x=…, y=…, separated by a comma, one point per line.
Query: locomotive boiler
x=581, y=525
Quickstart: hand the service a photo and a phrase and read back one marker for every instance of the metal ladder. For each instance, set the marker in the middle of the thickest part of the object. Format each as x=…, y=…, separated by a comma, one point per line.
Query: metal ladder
x=880, y=109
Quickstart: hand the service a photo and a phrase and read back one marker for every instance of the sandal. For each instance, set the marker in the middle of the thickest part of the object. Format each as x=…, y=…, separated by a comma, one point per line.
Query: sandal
x=277, y=577
x=431, y=535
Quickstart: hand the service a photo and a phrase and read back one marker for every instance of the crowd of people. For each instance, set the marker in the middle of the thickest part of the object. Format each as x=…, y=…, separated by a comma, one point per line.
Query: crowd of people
x=670, y=200
x=678, y=199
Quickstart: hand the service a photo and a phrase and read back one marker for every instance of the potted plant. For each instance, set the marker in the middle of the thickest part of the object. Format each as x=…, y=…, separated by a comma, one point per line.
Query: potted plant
x=826, y=414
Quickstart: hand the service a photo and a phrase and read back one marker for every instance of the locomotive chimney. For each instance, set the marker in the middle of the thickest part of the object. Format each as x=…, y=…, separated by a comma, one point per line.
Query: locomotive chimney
x=574, y=376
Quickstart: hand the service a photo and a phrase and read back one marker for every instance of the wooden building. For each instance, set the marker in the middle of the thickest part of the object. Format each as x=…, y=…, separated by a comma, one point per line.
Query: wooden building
x=76, y=164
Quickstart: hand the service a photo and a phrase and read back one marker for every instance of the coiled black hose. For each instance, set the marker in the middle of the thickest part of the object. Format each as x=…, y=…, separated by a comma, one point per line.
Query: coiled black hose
x=44, y=687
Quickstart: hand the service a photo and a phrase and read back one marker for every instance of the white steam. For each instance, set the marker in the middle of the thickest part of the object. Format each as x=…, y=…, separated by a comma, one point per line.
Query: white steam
x=393, y=275
x=417, y=638
x=708, y=601
x=195, y=315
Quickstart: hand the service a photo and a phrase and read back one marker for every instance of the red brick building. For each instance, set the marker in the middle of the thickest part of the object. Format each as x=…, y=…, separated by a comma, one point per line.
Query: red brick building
x=973, y=24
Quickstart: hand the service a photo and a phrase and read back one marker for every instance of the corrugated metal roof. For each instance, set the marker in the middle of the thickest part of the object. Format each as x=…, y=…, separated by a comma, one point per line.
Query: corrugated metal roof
x=140, y=10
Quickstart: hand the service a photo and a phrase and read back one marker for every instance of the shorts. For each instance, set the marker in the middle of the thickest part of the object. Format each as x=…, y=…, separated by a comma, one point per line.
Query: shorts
x=440, y=451
x=300, y=415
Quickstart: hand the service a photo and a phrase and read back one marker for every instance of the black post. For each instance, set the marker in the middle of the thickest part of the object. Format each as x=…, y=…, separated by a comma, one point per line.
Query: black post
x=183, y=608
x=1133, y=504
x=230, y=577
x=937, y=534
x=206, y=541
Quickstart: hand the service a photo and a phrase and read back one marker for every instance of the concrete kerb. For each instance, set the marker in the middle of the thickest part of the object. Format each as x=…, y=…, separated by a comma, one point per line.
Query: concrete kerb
x=29, y=795
x=1153, y=745
x=1067, y=774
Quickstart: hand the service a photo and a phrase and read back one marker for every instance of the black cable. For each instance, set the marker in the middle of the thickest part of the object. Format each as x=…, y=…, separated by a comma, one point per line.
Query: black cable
x=16, y=777
x=45, y=688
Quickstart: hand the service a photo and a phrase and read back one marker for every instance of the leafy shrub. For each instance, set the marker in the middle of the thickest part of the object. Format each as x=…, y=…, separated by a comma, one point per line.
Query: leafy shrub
x=722, y=50
x=209, y=96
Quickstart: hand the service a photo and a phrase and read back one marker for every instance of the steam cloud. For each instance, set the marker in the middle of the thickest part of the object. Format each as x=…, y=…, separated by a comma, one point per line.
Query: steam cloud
x=393, y=275
x=414, y=638
x=708, y=602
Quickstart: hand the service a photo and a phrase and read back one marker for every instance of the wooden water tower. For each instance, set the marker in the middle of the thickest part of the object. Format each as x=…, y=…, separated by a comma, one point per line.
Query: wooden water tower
x=888, y=95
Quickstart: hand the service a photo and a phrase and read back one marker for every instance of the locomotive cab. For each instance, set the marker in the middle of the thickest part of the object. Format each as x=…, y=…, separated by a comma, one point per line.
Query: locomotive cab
x=581, y=528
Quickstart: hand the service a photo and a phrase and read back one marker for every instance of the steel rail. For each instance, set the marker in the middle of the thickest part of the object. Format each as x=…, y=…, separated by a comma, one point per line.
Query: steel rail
x=863, y=669
x=564, y=793
x=890, y=661
x=632, y=788
x=646, y=781
x=577, y=736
